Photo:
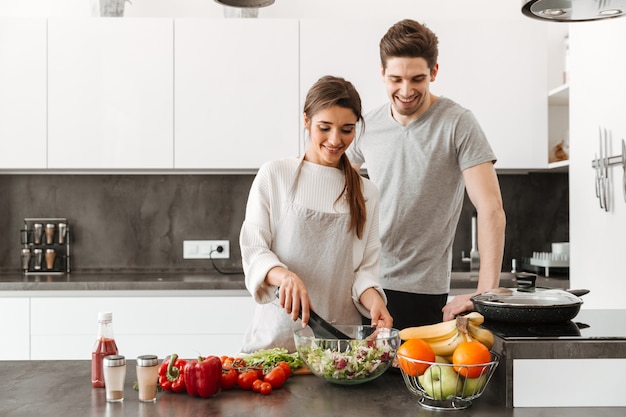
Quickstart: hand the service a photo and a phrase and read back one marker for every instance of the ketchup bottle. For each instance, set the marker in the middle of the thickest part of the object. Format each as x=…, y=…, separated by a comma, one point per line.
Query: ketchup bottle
x=104, y=346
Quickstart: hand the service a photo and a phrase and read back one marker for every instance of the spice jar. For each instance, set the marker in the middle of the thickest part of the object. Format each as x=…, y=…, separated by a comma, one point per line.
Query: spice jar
x=114, y=374
x=37, y=231
x=147, y=377
x=38, y=258
x=50, y=257
x=50, y=233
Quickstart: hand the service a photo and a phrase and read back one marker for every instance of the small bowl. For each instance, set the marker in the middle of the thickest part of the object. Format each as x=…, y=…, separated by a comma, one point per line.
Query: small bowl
x=440, y=387
x=364, y=357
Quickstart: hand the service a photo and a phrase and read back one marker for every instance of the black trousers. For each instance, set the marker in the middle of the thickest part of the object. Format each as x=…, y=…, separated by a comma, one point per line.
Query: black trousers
x=410, y=309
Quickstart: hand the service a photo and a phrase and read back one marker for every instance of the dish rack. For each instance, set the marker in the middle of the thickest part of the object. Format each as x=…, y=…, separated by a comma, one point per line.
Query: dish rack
x=549, y=260
x=45, y=246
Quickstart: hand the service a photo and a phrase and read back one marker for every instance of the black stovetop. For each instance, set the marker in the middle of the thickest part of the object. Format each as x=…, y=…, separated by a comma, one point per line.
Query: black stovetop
x=588, y=324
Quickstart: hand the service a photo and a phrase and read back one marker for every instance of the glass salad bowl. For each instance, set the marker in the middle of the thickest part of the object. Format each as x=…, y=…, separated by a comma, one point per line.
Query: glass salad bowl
x=364, y=357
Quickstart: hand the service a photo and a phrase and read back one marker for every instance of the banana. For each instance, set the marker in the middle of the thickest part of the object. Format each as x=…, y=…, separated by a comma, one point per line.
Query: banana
x=446, y=347
x=481, y=335
x=446, y=336
x=475, y=318
x=434, y=332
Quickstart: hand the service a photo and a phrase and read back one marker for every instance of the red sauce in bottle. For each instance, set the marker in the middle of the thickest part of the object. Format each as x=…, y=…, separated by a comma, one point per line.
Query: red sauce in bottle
x=104, y=347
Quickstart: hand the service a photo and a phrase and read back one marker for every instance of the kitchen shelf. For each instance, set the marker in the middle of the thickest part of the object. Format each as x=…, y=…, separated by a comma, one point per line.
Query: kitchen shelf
x=558, y=126
x=559, y=95
x=559, y=165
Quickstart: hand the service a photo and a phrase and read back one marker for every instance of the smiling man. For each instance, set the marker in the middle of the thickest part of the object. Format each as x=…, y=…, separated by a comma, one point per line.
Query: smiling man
x=423, y=151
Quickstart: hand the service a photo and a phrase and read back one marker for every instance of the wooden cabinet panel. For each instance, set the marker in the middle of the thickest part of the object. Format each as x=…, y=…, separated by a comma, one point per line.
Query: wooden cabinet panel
x=236, y=92
x=110, y=93
x=66, y=328
x=22, y=93
x=14, y=328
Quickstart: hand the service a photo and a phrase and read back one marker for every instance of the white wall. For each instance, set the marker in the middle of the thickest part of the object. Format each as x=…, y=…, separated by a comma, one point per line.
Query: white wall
x=597, y=97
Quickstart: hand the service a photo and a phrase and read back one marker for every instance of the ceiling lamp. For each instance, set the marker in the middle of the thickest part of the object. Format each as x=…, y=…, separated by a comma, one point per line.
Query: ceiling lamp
x=245, y=3
x=573, y=10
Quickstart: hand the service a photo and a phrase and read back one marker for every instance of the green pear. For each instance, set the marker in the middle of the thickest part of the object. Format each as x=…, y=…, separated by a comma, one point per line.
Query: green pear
x=472, y=386
x=439, y=381
x=441, y=359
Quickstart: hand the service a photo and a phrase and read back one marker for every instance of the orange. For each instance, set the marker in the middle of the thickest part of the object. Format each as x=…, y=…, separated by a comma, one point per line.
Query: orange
x=470, y=353
x=415, y=349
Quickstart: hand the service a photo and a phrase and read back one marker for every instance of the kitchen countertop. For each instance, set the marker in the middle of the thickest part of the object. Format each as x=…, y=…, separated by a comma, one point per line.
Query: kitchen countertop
x=120, y=284
x=63, y=388
x=149, y=283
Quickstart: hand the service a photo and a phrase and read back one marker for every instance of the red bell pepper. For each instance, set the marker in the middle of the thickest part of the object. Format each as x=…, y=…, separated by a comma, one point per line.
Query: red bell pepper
x=172, y=375
x=203, y=377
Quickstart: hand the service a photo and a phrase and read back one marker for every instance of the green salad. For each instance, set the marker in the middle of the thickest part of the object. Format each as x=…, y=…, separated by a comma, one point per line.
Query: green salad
x=360, y=360
x=268, y=358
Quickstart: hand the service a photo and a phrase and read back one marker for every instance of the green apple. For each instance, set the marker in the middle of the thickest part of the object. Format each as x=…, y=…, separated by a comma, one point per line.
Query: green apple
x=439, y=381
x=473, y=386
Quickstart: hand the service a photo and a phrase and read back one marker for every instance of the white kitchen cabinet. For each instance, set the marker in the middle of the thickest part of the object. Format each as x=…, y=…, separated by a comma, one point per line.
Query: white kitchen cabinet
x=22, y=93
x=14, y=328
x=495, y=68
x=110, y=93
x=236, y=92
x=344, y=48
x=66, y=328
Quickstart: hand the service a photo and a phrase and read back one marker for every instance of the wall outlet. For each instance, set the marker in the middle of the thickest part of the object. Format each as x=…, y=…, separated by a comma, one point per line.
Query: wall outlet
x=206, y=249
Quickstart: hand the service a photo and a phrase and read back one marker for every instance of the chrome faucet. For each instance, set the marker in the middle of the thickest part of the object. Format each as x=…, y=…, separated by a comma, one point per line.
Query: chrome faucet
x=474, y=258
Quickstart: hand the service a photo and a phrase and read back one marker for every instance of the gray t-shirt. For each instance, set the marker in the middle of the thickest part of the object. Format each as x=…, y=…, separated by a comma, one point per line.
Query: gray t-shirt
x=418, y=170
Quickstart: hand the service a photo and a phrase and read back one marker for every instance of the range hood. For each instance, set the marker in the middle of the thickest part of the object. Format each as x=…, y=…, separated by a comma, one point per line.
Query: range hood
x=245, y=3
x=243, y=8
x=573, y=10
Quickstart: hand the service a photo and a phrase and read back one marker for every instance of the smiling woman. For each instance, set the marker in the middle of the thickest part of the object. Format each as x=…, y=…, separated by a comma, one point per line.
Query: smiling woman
x=307, y=209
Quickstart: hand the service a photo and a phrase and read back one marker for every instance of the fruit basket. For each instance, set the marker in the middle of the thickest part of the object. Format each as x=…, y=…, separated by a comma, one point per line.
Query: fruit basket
x=442, y=387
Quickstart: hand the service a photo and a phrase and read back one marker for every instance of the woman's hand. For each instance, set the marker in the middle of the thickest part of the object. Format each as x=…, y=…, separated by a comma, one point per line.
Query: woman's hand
x=293, y=295
x=372, y=300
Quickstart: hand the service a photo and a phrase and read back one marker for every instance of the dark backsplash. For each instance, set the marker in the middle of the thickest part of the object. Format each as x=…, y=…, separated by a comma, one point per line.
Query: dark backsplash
x=137, y=223
x=537, y=214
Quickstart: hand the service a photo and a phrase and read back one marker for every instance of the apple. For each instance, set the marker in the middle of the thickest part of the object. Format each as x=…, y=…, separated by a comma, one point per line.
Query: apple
x=439, y=381
x=473, y=386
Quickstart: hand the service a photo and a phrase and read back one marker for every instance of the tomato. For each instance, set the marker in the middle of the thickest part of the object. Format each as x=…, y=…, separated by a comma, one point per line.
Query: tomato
x=230, y=362
x=259, y=371
x=266, y=388
x=276, y=377
x=256, y=385
x=246, y=379
x=229, y=378
x=286, y=368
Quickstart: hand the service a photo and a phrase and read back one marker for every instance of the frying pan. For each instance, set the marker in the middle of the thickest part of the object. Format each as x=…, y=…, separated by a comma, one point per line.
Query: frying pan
x=529, y=304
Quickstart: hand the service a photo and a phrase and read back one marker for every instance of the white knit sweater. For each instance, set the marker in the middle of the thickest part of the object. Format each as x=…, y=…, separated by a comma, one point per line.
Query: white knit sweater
x=318, y=187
